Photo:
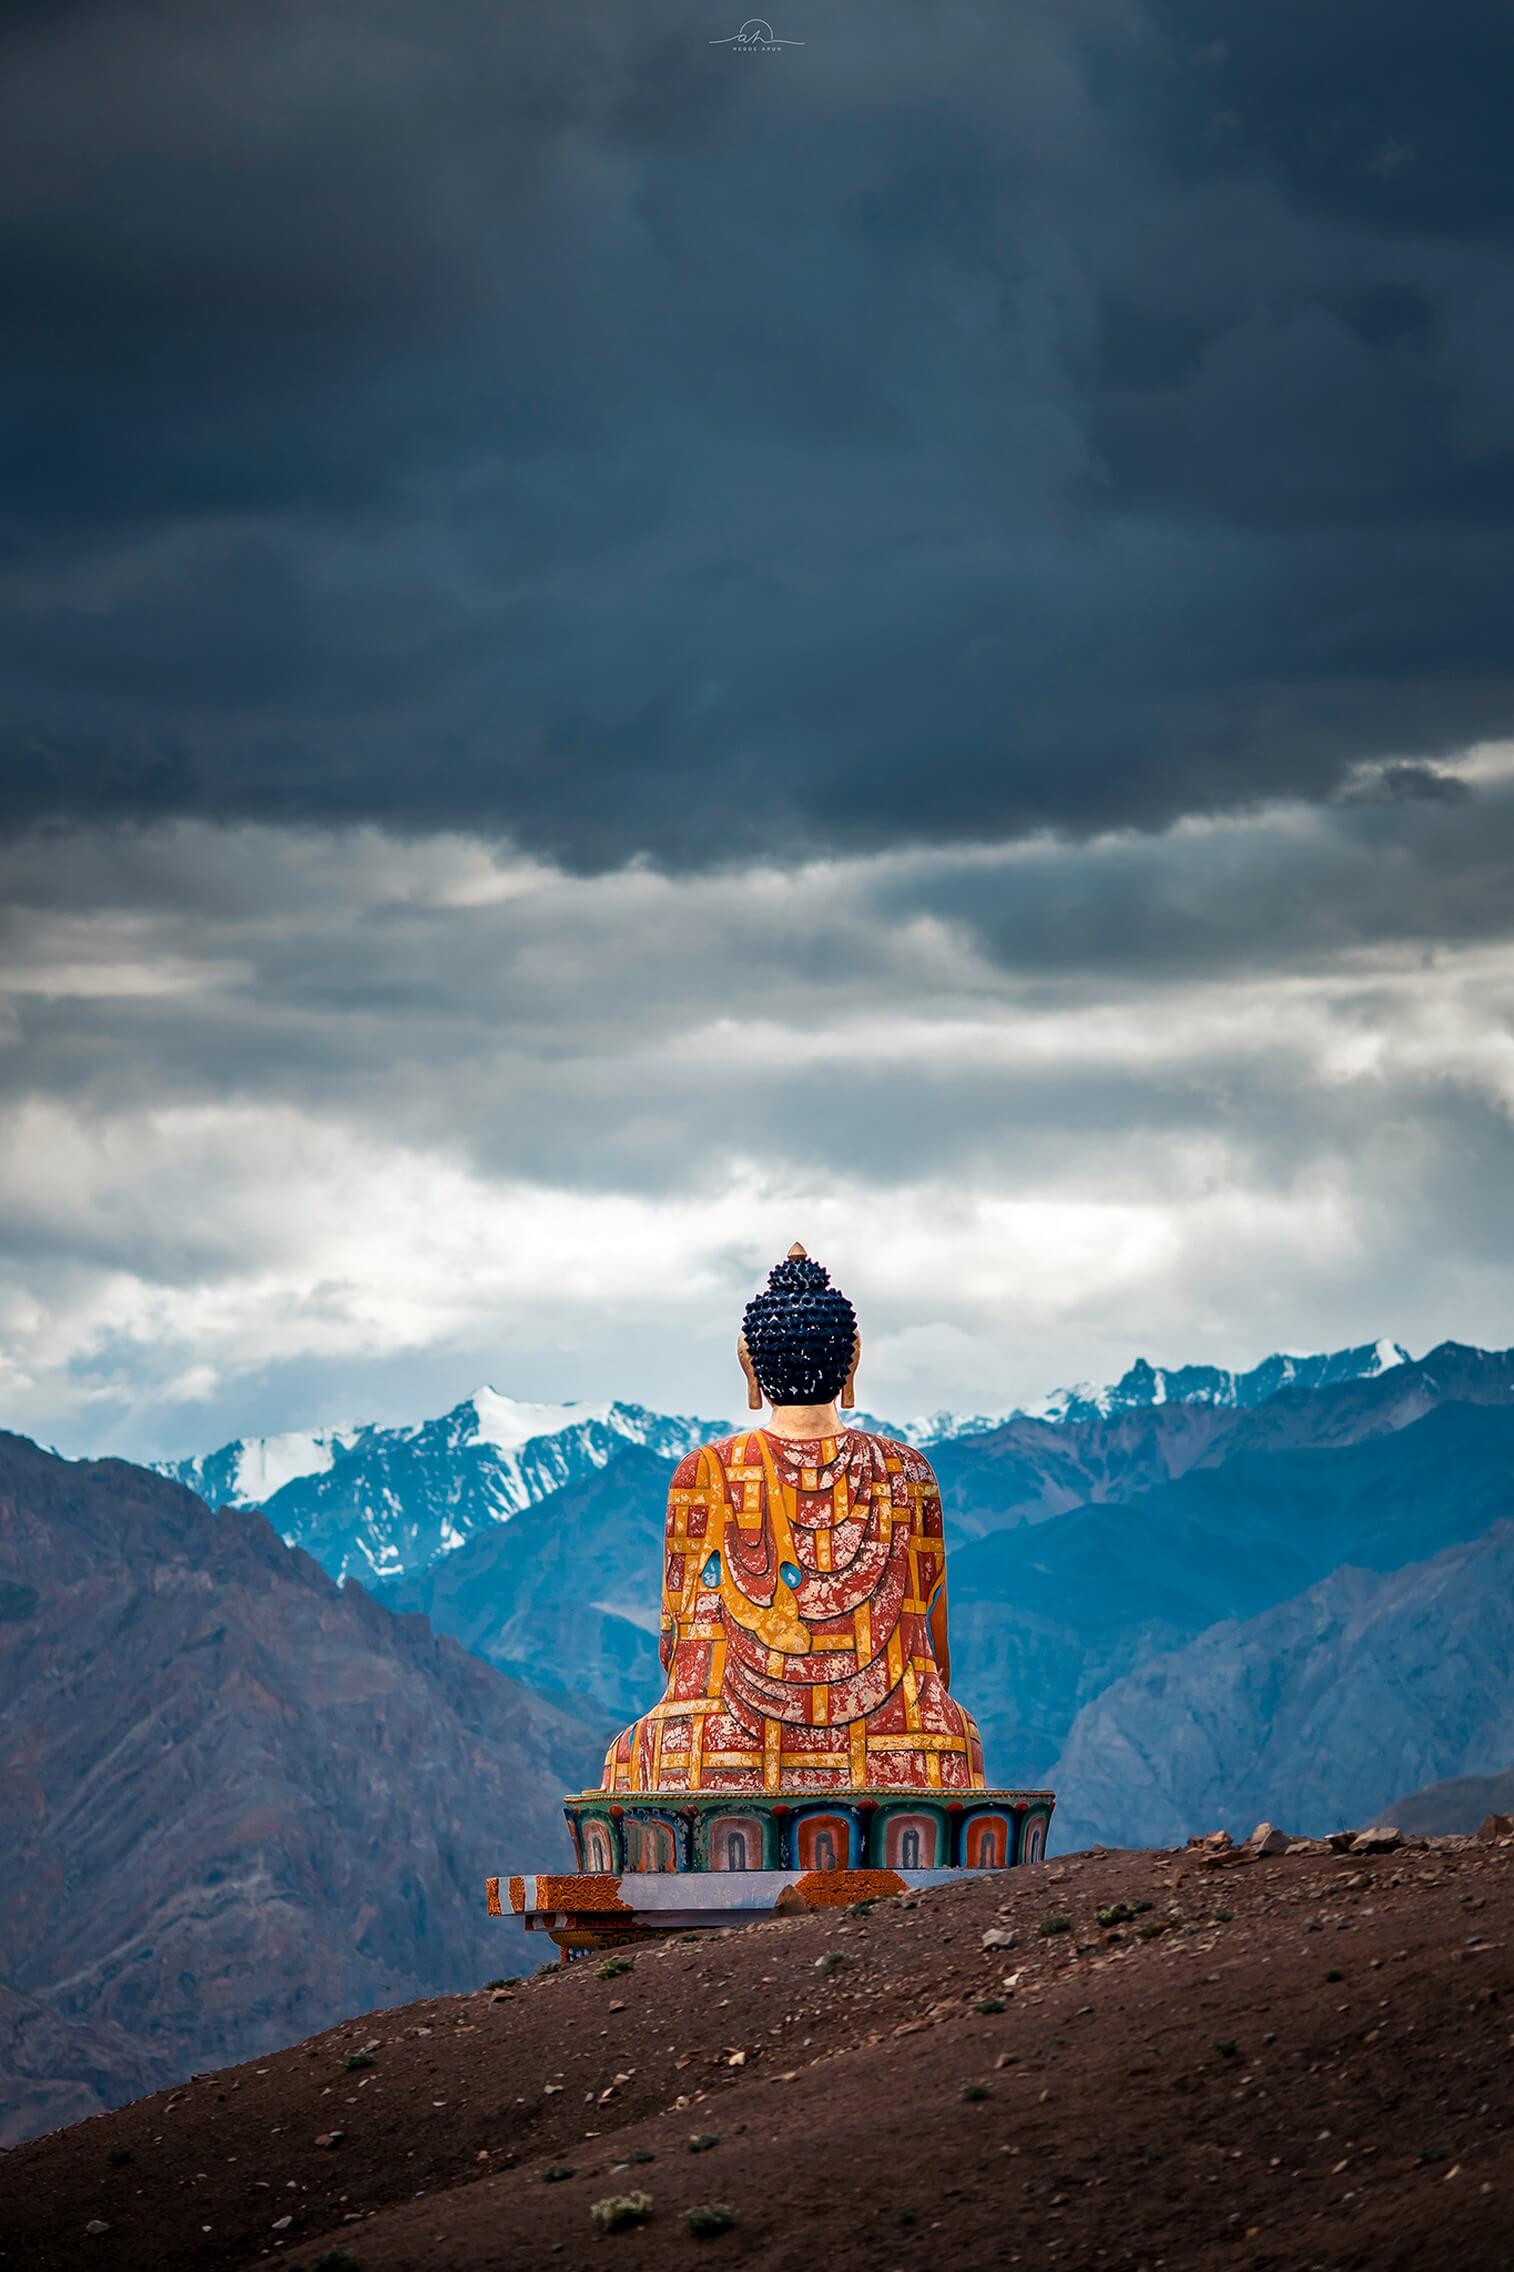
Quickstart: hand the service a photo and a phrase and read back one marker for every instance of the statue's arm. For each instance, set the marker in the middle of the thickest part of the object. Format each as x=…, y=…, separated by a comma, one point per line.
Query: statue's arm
x=932, y=1538
x=685, y=1497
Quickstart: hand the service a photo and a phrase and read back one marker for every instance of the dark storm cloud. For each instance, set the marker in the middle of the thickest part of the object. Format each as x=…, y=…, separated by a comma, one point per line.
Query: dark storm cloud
x=548, y=423
x=1000, y=1017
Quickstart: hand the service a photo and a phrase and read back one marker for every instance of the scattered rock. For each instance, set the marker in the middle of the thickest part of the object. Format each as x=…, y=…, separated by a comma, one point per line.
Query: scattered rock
x=1495, y=1826
x=1382, y=1838
x=331, y=2137
x=97, y=2225
x=997, y=1937
x=1267, y=1839
x=1339, y=1841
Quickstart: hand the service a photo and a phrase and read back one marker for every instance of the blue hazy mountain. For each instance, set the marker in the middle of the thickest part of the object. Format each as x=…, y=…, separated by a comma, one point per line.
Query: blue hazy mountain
x=1314, y=1714
x=1045, y=1619
x=566, y=1593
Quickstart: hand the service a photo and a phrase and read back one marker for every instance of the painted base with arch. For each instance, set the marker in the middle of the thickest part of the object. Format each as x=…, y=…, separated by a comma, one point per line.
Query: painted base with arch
x=657, y=1832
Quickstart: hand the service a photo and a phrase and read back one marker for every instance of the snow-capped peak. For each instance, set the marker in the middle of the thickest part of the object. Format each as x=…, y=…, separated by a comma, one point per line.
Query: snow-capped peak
x=507, y=1422
x=267, y=1463
x=1146, y=1385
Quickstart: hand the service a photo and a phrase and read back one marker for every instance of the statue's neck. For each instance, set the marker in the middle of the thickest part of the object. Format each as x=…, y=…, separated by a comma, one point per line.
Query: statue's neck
x=802, y=1423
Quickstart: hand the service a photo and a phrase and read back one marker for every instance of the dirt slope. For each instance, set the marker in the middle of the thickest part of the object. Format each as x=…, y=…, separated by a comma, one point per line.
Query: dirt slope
x=1308, y=2065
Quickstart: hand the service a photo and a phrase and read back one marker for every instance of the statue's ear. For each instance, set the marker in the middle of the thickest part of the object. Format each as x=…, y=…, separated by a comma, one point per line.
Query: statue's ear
x=753, y=1389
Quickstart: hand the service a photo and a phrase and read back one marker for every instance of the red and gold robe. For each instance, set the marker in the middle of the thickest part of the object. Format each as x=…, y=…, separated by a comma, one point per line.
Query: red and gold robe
x=803, y=1626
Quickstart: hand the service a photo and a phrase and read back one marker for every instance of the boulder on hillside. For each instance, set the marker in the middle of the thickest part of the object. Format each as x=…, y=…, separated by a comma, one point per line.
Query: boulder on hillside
x=1382, y=1838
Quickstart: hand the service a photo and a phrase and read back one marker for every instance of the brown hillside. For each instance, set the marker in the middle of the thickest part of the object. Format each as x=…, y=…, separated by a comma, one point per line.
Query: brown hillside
x=1457, y=1805
x=235, y=1800
x=1306, y=2065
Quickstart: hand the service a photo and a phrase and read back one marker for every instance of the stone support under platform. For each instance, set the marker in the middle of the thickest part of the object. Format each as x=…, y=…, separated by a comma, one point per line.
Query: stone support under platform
x=584, y=1910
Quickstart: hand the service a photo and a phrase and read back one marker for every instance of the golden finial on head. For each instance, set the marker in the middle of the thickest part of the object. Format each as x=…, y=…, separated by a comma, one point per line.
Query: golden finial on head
x=797, y=1253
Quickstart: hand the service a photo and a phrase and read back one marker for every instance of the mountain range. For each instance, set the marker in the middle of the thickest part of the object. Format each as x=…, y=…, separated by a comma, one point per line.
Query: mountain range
x=1176, y=1518
x=1084, y=1545
x=375, y=1503
x=380, y=1503
x=245, y=1787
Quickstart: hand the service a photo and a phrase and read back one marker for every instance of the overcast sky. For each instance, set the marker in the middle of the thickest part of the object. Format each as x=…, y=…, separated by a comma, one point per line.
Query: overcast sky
x=616, y=648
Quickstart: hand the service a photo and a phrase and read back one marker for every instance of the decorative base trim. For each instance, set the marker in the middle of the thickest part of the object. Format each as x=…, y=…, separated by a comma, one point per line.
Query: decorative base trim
x=729, y=1832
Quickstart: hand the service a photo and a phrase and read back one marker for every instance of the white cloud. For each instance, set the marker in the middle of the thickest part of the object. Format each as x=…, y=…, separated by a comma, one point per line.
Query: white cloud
x=297, y=1122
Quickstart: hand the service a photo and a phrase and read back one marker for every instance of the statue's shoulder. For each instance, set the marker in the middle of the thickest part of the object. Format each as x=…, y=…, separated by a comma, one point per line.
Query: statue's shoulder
x=914, y=1465
x=695, y=1464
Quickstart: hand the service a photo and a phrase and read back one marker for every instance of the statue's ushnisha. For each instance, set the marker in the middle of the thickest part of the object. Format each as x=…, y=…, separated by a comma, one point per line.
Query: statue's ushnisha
x=804, y=1588
x=806, y=1748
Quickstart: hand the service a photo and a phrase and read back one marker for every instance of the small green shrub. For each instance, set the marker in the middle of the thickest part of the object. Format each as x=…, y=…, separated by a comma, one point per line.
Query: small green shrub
x=1149, y=1931
x=356, y=2059
x=614, y=1966
x=1052, y=1925
x=638, y=2154
x=1435, y=2153
x=1224, y=1916
x=617, y=2210
x=987, y=2004
x=1121, y=1912
x=974, y=2091
x=500, y=1982
x=1332, y=1975
x=709, y=2218
x=556, y=2174
x=831, y=1961
x=119, y=2156
x=1226, y=2046
x=703, y=2140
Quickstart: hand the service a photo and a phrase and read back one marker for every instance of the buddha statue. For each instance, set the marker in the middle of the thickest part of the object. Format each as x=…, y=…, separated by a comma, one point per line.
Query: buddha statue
x=804, y=1588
